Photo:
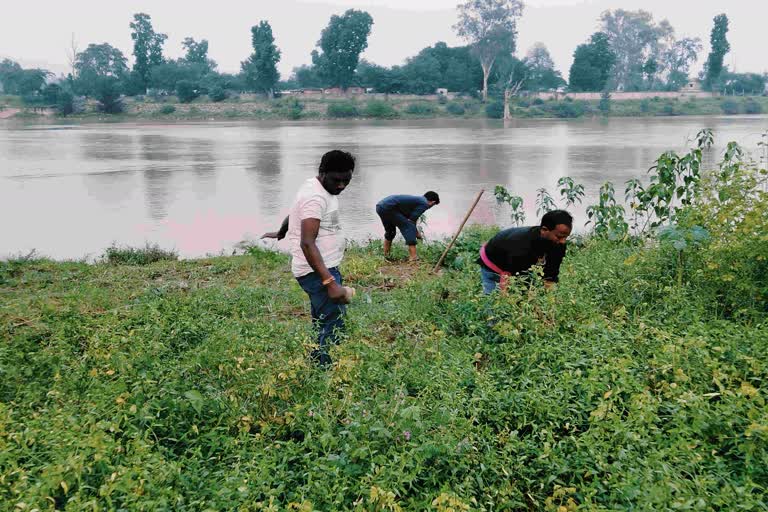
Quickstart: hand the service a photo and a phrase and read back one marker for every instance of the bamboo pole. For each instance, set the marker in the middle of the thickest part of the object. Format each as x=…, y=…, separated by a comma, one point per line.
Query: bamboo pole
x=466, y=218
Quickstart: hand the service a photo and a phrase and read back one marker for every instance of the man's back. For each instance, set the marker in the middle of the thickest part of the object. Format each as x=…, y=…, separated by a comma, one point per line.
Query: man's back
x=404, y=204
x=515, y=250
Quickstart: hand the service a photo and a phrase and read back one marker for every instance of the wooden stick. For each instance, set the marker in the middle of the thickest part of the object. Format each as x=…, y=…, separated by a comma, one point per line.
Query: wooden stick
x=466, y=218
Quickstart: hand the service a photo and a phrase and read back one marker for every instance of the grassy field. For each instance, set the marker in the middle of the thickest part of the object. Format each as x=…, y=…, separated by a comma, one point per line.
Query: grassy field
x=186, y=385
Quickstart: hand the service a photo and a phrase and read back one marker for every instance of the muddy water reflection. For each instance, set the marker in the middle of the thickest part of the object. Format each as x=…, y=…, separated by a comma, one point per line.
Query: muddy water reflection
x=72, y=190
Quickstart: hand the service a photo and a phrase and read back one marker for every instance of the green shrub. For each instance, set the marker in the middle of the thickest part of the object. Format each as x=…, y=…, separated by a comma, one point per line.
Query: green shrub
x=455, y=108
x=167, y=109
x=65, y=102
x=186, y=91
x=730, y=107
x=217, y=94
x=494, y=110
x=645, y=106
x=752, y=106
x=442, y=99
x=289, y=107
x=420, y=108
x=342, y=109
x=108, y=95
x=380, y=109
x=538, y=101
x=669, y=109
x=567, y=109
x=138, y=256
x=523, y=103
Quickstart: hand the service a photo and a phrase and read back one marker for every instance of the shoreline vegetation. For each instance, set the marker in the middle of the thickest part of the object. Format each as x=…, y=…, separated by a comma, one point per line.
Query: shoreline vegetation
x=638, y=382
x=393, y=107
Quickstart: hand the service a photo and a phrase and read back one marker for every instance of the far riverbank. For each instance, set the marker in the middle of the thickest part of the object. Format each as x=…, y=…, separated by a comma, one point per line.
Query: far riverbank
x=250, y=107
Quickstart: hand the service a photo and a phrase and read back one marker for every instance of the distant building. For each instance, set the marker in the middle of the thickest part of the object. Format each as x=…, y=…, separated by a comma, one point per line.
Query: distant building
x=308, y=91
x=693, y=85
x=442, y=91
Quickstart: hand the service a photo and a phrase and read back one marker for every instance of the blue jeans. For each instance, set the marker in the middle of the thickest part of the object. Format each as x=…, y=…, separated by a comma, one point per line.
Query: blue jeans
x=327, y=316
x=394, y=219
x=490, y=280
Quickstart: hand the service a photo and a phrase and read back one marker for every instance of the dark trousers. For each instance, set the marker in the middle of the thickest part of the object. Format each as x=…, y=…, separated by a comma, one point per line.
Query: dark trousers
x=327, y=316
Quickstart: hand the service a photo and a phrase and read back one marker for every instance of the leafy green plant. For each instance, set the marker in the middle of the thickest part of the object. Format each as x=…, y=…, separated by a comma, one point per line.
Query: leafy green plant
x=682, y=240
x=167, y=109
x=517, y=212
x=544, y=202
x=570, y=191
x=673, y=181
x=607, y=217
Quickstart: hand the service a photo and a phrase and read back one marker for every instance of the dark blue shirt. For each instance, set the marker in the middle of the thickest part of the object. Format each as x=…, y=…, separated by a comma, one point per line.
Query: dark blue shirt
x=409, y=206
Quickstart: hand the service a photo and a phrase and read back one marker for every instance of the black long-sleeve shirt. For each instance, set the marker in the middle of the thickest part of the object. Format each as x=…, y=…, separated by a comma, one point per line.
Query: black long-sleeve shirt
x=516, y=250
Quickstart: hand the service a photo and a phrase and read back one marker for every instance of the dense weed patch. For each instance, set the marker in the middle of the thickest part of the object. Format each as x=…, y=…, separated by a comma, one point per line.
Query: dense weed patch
x=638, y=382
x=138, y=256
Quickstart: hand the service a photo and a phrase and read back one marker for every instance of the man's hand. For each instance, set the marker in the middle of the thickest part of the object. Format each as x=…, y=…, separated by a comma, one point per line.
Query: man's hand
x=337, y=293
x=419, y=236
x=271, y=234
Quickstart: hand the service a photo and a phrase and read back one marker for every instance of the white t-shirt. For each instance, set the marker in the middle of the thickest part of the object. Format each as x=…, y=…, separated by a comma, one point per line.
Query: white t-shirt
x=314, y=202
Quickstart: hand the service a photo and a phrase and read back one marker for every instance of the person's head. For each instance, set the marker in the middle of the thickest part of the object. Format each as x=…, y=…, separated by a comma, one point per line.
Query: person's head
x=432, y=198
x=556, y=226
x=335, y=171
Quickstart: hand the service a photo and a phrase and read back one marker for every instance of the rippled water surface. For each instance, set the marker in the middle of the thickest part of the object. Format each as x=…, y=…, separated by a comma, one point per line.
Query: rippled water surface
x=70, y=191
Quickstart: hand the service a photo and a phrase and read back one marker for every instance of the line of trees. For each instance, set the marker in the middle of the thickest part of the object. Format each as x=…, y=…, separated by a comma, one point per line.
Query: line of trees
x=630, y=52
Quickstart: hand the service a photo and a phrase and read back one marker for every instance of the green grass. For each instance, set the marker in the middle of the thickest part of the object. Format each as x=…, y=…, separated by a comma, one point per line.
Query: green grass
x=185, y=385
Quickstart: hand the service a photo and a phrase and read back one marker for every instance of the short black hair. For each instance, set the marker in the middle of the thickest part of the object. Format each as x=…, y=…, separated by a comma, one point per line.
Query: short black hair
x=550, y=220
x=337, y=161
x=432, y=196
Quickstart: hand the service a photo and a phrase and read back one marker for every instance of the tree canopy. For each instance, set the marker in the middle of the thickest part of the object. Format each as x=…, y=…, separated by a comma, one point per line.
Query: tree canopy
x=719, y=48
x=490, y=26
x=147, y=46
x=260, y=69
x=592, y=64
x=341, y=44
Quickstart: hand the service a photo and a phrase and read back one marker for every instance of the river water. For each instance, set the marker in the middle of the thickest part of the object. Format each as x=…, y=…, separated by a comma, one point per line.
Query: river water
x=70, y=191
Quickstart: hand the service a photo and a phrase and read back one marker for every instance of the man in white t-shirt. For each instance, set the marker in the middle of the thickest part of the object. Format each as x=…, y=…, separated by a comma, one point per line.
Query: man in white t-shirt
x=317, y=247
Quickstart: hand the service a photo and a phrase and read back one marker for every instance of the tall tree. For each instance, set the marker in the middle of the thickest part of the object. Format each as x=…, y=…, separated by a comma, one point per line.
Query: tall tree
x=97, y=61
x=490, y=26
x=195, y=52
x=677, y=60
x=342, y=42
x=260, y=69
x=17, y=80
x=10, y=72
x=541, y=73
x=635, y=39
x=592, y=64
x=713, y=68
x=147, y=46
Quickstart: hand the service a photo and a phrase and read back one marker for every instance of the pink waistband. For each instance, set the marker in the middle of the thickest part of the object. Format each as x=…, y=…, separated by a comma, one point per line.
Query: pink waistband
x=489, y=263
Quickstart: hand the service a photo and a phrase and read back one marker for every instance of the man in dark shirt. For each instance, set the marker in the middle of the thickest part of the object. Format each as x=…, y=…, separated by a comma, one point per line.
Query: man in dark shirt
x=402, y=212
x=514, y=251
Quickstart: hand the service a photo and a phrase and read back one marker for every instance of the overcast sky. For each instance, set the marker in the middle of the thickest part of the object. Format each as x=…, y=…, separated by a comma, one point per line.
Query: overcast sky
x=38, y=33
